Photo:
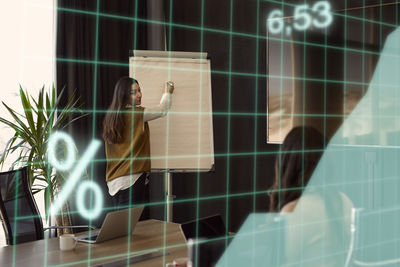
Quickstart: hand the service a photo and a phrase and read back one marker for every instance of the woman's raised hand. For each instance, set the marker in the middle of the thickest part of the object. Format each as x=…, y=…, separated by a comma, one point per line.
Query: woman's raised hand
x=169, y=87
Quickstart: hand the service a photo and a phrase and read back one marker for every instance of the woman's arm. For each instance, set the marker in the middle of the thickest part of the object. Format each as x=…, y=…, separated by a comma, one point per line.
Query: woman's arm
x=162, y=109
x=159, y=111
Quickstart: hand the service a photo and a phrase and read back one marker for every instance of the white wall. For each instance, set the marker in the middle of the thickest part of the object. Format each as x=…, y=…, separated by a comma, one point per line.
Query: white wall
x=27, y=50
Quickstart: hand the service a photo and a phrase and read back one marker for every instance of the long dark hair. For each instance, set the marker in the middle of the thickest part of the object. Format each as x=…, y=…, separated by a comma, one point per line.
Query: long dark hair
x=113, y=122
x=295, y=164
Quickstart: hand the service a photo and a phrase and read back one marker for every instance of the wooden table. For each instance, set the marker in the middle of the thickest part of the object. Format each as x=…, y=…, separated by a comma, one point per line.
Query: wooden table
x=150, y=234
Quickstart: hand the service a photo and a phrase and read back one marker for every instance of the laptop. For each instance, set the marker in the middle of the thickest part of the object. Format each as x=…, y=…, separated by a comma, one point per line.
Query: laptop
x=212, y=229
x=116, y=224
x=208, y=227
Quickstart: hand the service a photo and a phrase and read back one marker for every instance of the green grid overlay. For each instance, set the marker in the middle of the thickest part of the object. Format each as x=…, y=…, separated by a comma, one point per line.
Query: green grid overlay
x=229, y=73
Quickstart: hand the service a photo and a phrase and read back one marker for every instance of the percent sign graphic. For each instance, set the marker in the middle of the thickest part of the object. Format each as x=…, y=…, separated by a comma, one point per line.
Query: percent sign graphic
x=75, y=175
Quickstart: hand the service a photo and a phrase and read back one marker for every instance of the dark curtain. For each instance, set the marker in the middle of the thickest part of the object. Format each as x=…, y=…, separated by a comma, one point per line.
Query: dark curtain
x=91, y=66
x=233, y=32
x=238, y=184
x=92, y=54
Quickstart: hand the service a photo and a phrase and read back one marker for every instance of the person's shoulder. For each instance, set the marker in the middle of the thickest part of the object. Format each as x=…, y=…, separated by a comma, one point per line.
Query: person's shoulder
x=289, y=207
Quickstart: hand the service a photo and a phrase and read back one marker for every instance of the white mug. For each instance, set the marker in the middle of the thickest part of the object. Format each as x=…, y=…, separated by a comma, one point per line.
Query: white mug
x=179, y=262
x=67, y=242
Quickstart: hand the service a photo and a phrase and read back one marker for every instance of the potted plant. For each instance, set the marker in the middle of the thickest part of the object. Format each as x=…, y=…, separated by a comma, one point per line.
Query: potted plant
x=32, y=129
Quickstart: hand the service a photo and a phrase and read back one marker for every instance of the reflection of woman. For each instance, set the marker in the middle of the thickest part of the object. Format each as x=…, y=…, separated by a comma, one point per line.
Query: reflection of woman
x=300, y=153
x=127, y=140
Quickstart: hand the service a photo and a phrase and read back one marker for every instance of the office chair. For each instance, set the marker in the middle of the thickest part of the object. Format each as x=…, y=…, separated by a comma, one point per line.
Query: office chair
x=355, y=244
x=19, y=214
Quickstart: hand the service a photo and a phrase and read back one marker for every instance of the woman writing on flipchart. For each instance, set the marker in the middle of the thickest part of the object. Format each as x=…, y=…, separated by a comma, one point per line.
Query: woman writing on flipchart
x=127, y=140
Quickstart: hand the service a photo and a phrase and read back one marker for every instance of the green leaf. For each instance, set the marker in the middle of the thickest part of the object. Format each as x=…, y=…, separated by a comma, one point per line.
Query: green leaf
x=71, y=106
x=8, y=149
x=24, y=129
x=75, y=119
x=30, y=173
x=47, y=202
x=19, y=145
x=53, y=95
x=49, y=124
x=31, y=157
x=40, y=111
x=35, y=102
x=39, y=186
x=32, y=129
x=35, y=191
x=26, y=104
x=13, y=126
x=49, y=107
x=20, y=160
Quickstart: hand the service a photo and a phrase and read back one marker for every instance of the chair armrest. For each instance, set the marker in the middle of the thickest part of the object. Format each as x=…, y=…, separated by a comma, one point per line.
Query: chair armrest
x=376, y=263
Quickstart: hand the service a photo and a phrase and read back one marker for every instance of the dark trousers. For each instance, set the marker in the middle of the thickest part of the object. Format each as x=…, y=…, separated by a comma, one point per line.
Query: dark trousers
x=131, y=196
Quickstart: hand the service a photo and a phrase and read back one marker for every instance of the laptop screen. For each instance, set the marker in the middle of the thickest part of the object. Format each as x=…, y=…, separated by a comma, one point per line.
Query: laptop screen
x=208, y=227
